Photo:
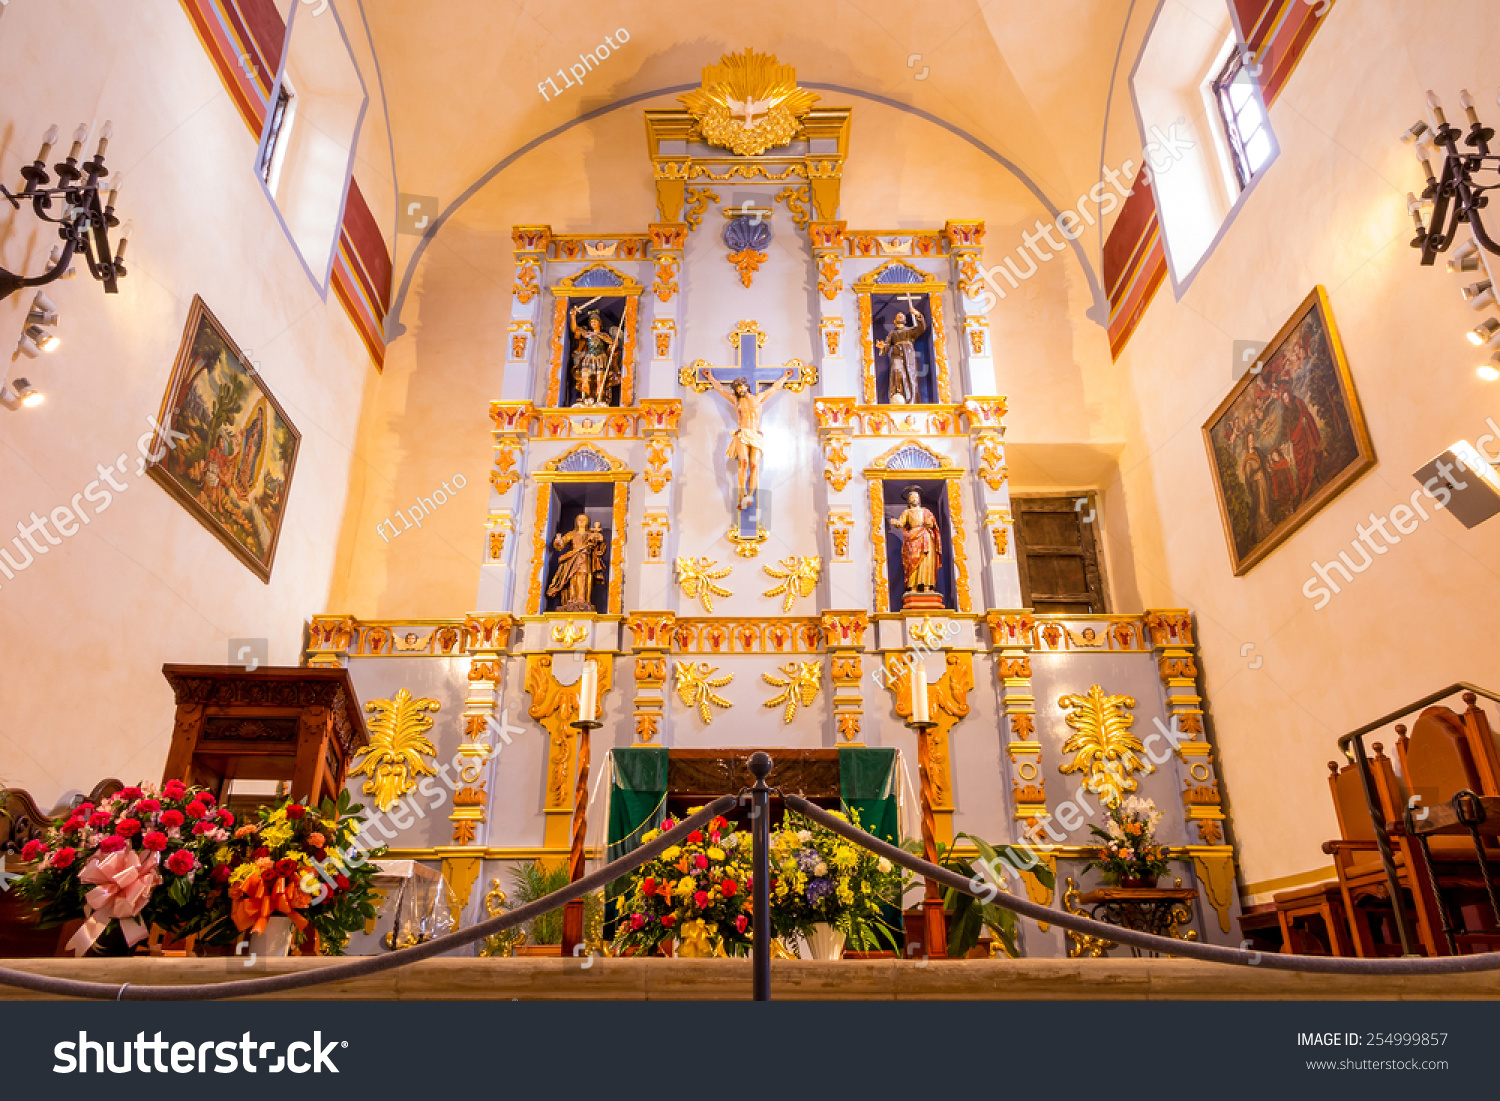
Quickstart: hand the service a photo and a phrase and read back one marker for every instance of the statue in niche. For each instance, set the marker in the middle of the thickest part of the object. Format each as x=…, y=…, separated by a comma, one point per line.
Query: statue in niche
x=921, y=552
x=595, y=365
x=901, y=341
x=747, y=444
x=581, y=561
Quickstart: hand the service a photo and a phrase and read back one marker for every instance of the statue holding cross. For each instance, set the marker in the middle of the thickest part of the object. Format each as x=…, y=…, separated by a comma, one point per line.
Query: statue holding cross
x=747, y=386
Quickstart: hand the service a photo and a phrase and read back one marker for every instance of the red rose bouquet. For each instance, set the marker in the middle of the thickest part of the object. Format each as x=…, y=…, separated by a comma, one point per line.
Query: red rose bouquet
x=134, y=860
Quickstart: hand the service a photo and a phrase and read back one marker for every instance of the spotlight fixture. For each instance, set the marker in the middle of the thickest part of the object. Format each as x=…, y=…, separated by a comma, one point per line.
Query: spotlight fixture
x=75, y=206
x=44, y=340
x=1488, y=371
x=1415, y=132
x=1480, y=295
x=21, y=393
x=1460, y=264
x=1484, y=332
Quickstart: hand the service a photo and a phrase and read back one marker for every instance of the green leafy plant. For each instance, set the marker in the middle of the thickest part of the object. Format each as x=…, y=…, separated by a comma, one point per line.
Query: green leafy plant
x=531, y=881
x=970, y=916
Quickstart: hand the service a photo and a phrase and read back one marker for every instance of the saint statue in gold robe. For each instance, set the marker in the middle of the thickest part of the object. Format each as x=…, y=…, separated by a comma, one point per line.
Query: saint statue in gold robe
x=921, y=551
x=581, y=561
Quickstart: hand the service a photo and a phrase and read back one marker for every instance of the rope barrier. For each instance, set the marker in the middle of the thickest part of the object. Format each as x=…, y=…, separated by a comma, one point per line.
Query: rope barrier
x=1211, y=953
x=369, y=965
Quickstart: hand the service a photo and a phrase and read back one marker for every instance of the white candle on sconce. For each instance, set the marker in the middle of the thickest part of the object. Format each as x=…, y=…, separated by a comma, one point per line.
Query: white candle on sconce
x=588, y=693
x=919, y=709
x=1437, y=110
x=80, y=136
x=49, y=139
x=105, y=134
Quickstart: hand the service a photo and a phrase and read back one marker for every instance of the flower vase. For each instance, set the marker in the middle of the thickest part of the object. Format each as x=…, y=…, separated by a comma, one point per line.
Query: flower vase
x=1136, y=882
x=825, y=942
x=275, y=939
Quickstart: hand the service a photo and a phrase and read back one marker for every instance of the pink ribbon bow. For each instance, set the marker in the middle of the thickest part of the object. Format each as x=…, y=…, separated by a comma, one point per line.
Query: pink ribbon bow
x=125, y=882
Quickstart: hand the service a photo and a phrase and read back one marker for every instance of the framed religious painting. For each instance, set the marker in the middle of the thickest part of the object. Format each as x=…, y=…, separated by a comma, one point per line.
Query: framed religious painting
x=1290, y=436
x=232, y=448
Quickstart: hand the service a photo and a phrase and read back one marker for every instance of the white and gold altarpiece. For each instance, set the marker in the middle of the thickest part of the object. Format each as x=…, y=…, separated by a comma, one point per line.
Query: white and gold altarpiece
x=707, y=619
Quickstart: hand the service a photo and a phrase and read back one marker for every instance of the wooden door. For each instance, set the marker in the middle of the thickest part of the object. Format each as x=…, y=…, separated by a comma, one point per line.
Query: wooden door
x=1057, y=549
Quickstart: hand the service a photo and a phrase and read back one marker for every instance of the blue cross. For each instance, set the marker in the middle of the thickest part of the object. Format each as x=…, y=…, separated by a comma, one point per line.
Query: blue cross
x=747, y=339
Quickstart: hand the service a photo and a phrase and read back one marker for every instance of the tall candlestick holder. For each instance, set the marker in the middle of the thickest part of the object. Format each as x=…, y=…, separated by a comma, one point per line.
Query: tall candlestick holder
x=934, y=920
x=573, y=932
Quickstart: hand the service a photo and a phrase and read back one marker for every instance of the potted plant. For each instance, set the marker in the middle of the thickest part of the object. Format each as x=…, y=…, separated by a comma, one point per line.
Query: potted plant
x=830, y=891
x=968, y=917
x=1129, y=855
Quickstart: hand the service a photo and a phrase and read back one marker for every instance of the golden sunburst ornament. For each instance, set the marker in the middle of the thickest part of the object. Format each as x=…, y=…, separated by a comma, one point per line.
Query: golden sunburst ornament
x=748, y=103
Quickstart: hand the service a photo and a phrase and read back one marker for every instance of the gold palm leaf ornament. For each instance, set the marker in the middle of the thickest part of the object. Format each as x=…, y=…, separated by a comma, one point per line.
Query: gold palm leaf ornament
x=398, y=746
x=695, y=685
x=748, y=103
x=799, y=683
x=798, y=577
x=1103, y=747
x=697, y=577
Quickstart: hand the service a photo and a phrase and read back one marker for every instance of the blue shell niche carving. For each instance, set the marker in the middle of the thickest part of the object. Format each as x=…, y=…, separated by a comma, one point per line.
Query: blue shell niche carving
x=746, y=233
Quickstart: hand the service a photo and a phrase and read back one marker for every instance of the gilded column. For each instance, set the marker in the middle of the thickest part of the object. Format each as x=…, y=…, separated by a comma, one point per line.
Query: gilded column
x=965, y=252
x=330, y=639
x=986, y=416
x=844, y=640
x=531, y=244
x=511, y=434
x=651, y=639
x=1012, y=637
x=486, y=638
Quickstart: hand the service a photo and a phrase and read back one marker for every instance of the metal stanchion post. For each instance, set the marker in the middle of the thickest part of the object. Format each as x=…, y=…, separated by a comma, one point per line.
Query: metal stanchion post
x=760, y=857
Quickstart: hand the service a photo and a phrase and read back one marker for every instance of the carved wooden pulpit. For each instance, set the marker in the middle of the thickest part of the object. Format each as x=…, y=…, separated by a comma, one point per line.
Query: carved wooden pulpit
x=296, y=725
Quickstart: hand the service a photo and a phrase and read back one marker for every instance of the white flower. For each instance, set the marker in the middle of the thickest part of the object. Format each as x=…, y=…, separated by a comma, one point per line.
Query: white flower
x=820, y=868
x=804, y=836
x=884, y=865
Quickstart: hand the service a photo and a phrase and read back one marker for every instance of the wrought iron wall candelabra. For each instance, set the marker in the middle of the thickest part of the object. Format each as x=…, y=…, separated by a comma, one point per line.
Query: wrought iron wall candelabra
x=1456, y=194
x=84, y=220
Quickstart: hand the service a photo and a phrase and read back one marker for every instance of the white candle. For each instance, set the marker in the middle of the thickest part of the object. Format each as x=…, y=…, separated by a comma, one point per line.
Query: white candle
x=588, y=692
x=919, y=711
x=49, y=139
x=79, y=137
x=104, y=135
x=1437, y=109
x=1466, y=101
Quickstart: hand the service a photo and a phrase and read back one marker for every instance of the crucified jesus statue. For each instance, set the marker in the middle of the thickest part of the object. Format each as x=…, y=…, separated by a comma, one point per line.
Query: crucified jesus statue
x=747, y=444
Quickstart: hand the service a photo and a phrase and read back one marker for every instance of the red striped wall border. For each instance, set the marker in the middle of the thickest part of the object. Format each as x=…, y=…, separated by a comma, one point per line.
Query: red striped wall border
x=243, y=41
x=1135, y=264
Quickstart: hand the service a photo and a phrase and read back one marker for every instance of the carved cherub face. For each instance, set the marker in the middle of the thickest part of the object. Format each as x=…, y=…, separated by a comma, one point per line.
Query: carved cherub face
x=411, y=638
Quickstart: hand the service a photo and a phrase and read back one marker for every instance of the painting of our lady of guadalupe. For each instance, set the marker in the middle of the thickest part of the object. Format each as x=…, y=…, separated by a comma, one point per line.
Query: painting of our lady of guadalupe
x=231, y=465
x=1289, y=437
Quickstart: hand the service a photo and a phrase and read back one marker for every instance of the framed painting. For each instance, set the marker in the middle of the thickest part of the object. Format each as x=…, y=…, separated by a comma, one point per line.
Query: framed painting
x=1290, y=436
x=231, y=466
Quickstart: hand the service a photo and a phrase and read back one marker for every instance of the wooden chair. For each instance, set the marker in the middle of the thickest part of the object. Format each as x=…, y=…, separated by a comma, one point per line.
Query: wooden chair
x=1313, y=920
x=1447, y=753
x=1362, y=882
